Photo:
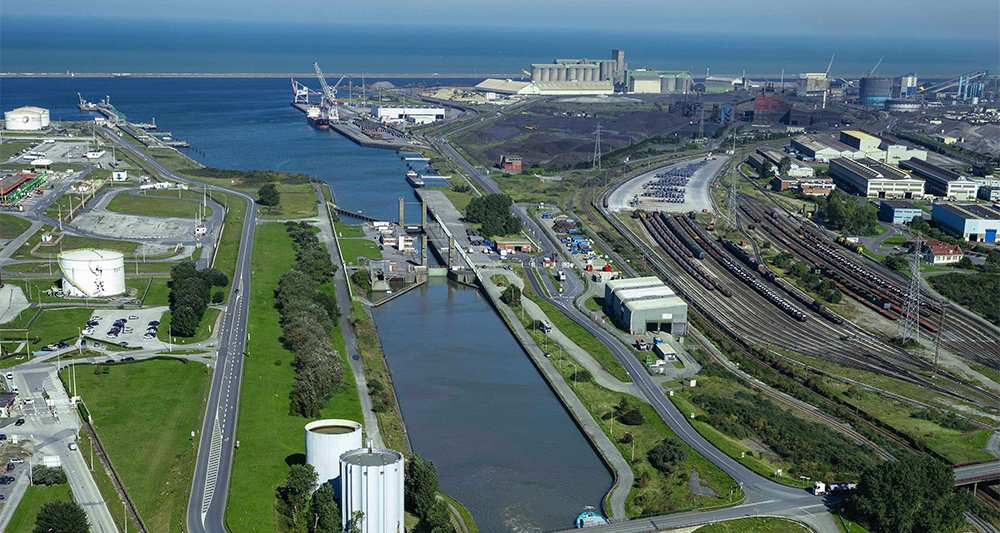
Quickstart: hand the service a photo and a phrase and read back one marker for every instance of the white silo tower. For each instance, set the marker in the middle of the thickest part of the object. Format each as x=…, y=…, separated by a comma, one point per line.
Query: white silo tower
x=326, y=441
x=92, y=273
x=371, y=481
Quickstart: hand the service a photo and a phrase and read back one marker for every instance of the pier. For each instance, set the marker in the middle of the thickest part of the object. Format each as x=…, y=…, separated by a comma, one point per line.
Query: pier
x=348, y=128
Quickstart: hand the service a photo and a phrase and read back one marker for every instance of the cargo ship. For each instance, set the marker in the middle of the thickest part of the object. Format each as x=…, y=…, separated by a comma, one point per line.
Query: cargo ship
x=317, y=118
x=414, y=179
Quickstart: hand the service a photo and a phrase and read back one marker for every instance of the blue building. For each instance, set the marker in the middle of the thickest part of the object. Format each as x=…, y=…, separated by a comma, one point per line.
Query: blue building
x=897, y=212
x=971, y=222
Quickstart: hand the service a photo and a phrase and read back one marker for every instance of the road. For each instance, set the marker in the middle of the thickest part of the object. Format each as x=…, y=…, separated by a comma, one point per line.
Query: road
x=210, y=485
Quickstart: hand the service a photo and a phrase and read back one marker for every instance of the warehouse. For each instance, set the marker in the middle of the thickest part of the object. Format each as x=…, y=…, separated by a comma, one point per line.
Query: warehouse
x=509, y=87
x=873, y=179
x=823, y=150
x=415, y=115
x=644, y=305
x=897, y=211
x=28, y=118
x=941, y=181
x=973, y=223
x=864, y=142
x=14, y=187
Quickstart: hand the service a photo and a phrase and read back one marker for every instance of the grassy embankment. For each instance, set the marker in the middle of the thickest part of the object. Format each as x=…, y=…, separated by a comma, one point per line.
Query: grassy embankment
x=757, y=525
x=654, y=492
x=12, y=226
x=354, y=244
x=9, y=148
x=181, y=204
x=31, y=503
x=152, y=406
x=50, y=326
x=205, y=328
x=270, y=437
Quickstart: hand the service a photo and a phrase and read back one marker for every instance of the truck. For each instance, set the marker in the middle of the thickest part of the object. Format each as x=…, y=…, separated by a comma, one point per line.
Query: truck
x=562, y=275
x=820, y=488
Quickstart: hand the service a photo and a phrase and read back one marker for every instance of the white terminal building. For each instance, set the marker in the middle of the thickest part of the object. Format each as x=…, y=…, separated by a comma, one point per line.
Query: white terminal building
x=28, y=118
x=873, y=179
x=371, y=481
x=645, y=305
x=90, y=273
x=411, y=115
x=326, y=441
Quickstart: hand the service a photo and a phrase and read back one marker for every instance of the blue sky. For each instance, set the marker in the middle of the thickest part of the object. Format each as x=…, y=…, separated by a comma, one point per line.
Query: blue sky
x=975, y=19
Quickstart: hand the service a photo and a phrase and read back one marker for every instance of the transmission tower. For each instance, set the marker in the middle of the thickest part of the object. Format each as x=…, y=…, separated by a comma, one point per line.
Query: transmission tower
x=909, y=320
x=597, y=149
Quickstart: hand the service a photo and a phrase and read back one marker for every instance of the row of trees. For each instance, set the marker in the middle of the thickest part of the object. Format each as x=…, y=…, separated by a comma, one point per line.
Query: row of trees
x=190, y=292
x=251, y=176
x=308, y=313
x=493, y=212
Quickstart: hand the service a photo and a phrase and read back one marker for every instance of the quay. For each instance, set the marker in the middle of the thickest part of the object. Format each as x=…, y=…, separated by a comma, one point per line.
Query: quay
x=352, y=131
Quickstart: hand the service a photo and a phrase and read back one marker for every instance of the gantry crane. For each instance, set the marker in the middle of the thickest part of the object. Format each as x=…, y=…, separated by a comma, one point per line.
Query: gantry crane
x=328, y=100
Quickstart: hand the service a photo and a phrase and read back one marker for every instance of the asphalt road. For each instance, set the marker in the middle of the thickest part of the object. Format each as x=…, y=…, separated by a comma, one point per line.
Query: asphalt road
x=210, y=485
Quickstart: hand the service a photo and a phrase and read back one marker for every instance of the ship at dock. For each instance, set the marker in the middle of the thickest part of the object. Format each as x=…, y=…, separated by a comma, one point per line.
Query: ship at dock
x=317, y=118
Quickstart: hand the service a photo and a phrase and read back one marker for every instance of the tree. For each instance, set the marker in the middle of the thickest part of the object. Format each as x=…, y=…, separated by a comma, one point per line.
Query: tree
x=915, y=494
x=325, y=511
x=784, y=165
x=493, y=212
x=268, y=195
x=61, y=517
x=294, y=494
x=511, y=296
x=421, y=486
x=354, y=523
x=666, y=455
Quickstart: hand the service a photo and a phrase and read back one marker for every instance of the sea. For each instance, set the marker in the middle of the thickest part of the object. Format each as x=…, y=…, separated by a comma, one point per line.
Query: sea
x=82, y=44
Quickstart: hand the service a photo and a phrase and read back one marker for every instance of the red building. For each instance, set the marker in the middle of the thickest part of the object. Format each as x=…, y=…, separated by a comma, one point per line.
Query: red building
x=511, y=164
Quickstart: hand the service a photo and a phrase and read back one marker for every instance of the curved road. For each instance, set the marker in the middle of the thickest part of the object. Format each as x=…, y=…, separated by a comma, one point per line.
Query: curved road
x=210, y=485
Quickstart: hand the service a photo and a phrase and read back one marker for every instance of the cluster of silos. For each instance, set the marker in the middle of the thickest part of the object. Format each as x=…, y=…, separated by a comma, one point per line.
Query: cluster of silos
x=873, y=92
x=675, y=83
x=580, y=69
x=368, y=480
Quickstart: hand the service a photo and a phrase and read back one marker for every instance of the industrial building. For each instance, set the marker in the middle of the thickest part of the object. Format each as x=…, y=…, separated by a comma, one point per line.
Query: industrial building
x=546, y=88
x=795, y=170
x=644, y=305
x=897, y=211
x=371, y=482
x=903, y=105
x=413, y=115
x=895, y=153
x=823, y=150
x=905, y=86
x=90, y=273
x=511, y=164
x=643, y=81
x=17, y=185
x=941, y=181
x=989, y=193
x=874, y=91
x=974, y=223
x=866, y=143
x=326, y=441
x=873, y=179
x=27, y=118
x=508, y=87
x=812, y=84
x=581, y=69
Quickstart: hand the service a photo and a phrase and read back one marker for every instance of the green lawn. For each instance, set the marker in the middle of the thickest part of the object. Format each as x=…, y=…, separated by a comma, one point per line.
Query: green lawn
x=298, y=200
x=268, y=434
x=9, y=148
x=63, y=204
x=52, y=325
x=34, y=498
x=12, y=226
x=159, y=204
x=229, y=244
x=150, y=407
x=354, y=244
x=24, y=252
x=207, y=322
x=72, y=242
x=757, y=525
x=155, y=290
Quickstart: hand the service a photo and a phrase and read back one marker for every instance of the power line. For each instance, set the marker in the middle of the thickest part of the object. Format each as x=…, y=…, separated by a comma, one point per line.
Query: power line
x=596, y=163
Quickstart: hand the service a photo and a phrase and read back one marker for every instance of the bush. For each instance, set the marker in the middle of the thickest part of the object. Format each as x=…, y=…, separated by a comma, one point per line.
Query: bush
x=218, y=297
x=666, y=455
x=44, y=475
x=632, y=417
x=61, y=516
x=581, y=376
x=511, y=296
x=268, y=195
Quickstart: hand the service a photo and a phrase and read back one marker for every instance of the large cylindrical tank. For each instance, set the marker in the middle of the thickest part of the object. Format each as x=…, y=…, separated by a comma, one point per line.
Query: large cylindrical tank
x=572, y=73
x=92, y=273
x=326, y=441
x=371, y=481
x=874, y=91
x=561, y=73
x=27, y=118
x=536, y=73
x=603, y=71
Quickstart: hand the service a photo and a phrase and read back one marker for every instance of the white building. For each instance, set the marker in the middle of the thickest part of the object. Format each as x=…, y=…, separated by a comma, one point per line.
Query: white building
x=28, y=118
x=371, y=481
x=119, y=175
x=91, y=273
x=942, y=181
x=873, y=179
x=413, y=115
x=326, y=441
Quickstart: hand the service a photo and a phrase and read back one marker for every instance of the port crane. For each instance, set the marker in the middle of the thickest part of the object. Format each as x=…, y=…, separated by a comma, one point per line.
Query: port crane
x=328, y=101
x=301, y=92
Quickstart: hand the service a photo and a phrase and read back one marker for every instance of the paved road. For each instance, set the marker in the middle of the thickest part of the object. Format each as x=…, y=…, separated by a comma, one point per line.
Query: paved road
x=210, y=485
x=977, y=472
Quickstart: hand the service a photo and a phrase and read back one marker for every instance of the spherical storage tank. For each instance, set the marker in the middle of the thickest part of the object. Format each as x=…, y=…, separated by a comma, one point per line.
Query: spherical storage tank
x=92, y=273
x=326, y=441
x=371, y=481
x=26, y=119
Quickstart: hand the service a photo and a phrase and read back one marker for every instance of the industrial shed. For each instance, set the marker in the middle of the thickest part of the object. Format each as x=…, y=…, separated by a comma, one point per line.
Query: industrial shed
x=643, y=305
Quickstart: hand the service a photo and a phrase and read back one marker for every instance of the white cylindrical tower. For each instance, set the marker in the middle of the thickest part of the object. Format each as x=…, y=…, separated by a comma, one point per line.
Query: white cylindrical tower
x=326, y=441
x=28, y=118
x=371, y=481
x=92, y=273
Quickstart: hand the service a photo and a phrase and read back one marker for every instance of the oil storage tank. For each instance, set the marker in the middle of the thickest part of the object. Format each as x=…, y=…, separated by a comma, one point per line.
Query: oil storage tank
x=28, y=118
x=873, y=92
x=371, y=481
x=326, y=441
x=91, y=273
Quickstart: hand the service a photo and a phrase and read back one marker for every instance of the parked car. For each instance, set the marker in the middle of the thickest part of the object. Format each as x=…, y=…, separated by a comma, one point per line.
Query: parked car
x=20, y=422
x=133, y=317
x=9, y=375
x=72, y=446
x=129, y=358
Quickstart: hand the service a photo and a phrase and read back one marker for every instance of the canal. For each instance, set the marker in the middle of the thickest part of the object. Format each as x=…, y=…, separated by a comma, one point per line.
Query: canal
x=472, y=400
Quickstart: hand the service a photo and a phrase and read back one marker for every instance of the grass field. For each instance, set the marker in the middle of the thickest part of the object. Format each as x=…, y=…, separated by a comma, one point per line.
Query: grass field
x=24, y=252
x=62, y=205
x=103, y=481
x=151, y=407
x=298, y=200
x=354, y=244
x=159, y=204
x=12, y=226
x=229, y=244
x=203, y=332
x=269, y=436
x=158, y=293
x=34, y=498
x=52, y=325
x=9, y=148
x=757, y=525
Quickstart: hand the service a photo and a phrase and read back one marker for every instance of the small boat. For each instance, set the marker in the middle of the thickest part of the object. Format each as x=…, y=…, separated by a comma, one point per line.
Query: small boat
x=590, y=518
x=414, y=179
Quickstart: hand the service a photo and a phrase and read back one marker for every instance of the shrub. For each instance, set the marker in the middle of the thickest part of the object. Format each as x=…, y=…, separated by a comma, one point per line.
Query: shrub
x=666, y=455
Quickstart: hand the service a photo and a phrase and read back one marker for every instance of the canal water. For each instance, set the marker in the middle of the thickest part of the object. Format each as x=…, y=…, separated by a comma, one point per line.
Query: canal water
x=472, y=400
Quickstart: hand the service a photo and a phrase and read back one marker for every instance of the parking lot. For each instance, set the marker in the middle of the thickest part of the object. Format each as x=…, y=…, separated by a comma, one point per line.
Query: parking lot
x=132, y=332
x=64, y=152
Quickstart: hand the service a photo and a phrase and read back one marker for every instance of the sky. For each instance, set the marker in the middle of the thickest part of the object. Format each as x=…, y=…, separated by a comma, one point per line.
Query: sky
x=969, y=19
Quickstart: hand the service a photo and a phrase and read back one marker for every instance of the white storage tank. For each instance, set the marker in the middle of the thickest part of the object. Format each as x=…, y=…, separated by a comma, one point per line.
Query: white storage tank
x=92, y=273
x=371, y=481
x=26, y=118
x=326, y=441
